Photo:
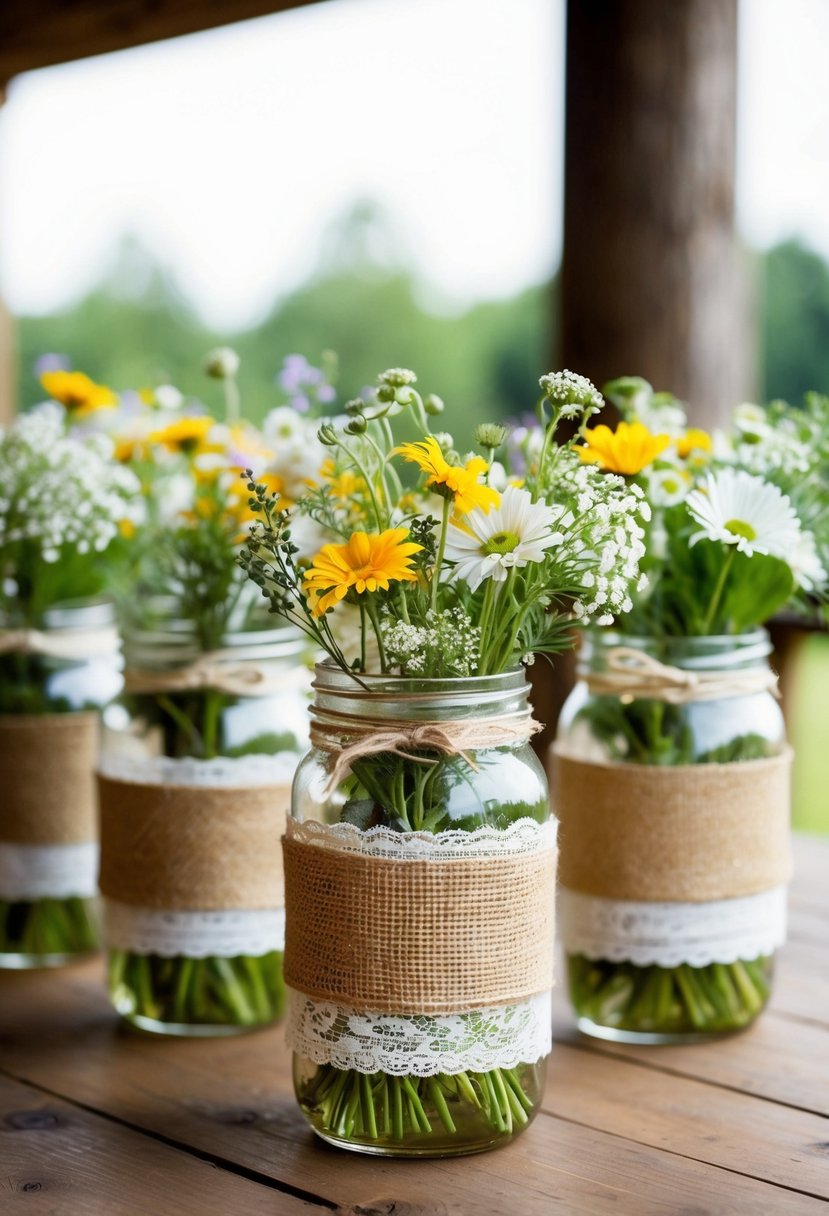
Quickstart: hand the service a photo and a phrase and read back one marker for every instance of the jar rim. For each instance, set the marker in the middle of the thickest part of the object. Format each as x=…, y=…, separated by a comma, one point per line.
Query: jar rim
x=415, y=698
x=692, y=651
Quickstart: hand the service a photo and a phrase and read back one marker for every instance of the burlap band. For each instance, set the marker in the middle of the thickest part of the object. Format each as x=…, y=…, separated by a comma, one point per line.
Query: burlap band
x=192, y=848
x=47, y=788
x=436, y=936
x=691, y=833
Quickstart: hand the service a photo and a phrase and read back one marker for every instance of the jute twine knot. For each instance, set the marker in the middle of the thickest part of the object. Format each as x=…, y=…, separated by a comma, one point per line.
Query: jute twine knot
x=370, y=737
x=214, y=670
x=631, y=674
x=62, y=644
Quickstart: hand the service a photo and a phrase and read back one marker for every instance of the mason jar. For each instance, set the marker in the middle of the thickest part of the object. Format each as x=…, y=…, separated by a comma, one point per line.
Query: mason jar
x=420, y=869
x=197, y=761
x=671, y=783
x=54, y=682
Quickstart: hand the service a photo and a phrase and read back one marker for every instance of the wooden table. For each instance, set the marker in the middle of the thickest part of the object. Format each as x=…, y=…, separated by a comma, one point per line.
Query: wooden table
x=98, y=1121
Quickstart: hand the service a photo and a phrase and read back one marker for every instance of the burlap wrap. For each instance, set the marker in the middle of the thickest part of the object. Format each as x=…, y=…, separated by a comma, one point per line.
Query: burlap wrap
x=689, y=833
x=47, y=787
x=436, y=936
x=192, y=848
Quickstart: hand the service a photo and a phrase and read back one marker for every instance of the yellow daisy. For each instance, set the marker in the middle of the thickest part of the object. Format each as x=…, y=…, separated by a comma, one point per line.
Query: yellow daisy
x=694, y=440
x=366, y=562
x=628, y=450
x=77, y=392
x=187, y=435
x=460, y=482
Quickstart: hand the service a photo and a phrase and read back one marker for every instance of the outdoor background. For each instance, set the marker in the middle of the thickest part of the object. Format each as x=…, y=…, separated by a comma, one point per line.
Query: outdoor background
x=382, y=178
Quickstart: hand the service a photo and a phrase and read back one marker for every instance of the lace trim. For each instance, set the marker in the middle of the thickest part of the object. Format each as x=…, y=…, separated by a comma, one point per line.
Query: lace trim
x=667, y=934
x=224, y=934
x=523, y=836
x=223, y=771
x=48, y=871
x=420, y=1046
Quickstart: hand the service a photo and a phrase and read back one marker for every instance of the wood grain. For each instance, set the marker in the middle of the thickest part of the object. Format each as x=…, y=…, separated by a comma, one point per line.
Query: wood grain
x=722, y=1129
x=56, y=1158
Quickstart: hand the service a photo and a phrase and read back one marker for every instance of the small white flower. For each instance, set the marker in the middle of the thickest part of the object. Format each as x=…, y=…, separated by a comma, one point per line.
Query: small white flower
x=738, y=509
x=222, y=363
x=667, y=487
x=516, y=532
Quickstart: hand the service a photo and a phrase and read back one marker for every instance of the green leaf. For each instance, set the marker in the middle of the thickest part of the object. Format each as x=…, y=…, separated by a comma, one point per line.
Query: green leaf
x=758, y=586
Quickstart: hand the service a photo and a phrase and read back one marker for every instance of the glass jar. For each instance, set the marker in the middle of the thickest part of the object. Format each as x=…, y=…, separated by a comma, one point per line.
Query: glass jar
x=396, y=1080
x=658, y=969
x=53, y=684
x=198, y=757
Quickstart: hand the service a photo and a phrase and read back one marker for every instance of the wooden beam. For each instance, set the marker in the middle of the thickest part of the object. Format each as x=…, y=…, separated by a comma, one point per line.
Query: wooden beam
x=651, y=281
x=38, y=33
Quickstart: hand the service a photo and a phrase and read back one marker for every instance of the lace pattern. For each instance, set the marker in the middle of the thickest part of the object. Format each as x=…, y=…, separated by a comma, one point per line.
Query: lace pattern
x=667, y=934
x=420, y=1046
x=48, y=871
x=523, y=836
x=224, y=934
x=222, y=772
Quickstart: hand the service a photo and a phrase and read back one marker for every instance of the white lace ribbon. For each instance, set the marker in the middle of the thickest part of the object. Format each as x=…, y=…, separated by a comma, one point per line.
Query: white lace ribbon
x=422, y=1045
x=668, y=934
x=224, y=934
x=231, y=772
x=48, y=871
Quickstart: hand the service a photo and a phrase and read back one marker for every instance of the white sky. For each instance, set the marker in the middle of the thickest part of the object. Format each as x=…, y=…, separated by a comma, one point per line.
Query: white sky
x=229, y=152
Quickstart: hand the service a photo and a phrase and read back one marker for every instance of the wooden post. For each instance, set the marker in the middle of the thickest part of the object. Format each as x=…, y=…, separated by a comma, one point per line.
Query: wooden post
x=650, y=279
x=650, y=272
x=7, y=351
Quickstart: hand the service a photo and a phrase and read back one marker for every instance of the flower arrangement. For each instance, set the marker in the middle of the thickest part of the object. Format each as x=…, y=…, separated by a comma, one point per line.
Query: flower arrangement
x=739, y=530
x=214, y=699
x=436, y=571
x=64, y=504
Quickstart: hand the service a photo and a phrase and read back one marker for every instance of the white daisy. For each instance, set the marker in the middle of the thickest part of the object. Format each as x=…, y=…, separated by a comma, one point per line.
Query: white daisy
x=518, y=531
x=738, y=509
x=806, y=565
x=667, y=487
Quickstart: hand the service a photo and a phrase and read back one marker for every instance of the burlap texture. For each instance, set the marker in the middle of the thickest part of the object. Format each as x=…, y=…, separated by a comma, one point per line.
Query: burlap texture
x=691, y=833
x=418, y=937
x=47, y=785
x=192, y=848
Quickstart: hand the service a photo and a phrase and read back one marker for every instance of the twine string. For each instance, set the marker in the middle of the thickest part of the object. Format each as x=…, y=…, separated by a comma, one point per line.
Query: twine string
x=214, y=670
x=631, y=674
x=60, y=644
x=372, y=736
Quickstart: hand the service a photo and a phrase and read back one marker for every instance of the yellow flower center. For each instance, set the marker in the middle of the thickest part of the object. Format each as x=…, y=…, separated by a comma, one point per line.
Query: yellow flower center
x=501, y=542
x=739, y=527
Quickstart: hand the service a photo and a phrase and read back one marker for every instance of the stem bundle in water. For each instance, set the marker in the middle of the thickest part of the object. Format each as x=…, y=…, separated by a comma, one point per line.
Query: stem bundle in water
x=418, y=1116
x=667, y=1001
x=197, y=995
x=48, y=931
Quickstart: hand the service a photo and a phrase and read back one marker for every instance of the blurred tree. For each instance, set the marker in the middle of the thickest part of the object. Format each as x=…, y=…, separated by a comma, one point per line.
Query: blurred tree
x=794, y=321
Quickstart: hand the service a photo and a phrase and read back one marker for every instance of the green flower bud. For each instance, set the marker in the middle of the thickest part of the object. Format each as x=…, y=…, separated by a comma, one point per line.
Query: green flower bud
x=433, y=404
x=327, y=435
x=490, y=435
x=221, y=363
x=356, y=406
x=357, y=426
x=397, y=377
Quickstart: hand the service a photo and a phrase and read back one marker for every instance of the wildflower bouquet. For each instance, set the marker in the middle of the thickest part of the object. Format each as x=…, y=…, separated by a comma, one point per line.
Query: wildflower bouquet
x=63, y=504
x=214, y=702
x=739, y=529
x=438, y=579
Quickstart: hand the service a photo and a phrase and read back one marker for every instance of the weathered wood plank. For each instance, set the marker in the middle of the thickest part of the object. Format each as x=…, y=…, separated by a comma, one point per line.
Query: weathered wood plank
x=60, y=1160
x=734, y=1130
x=37, y=33
x=232, y=1098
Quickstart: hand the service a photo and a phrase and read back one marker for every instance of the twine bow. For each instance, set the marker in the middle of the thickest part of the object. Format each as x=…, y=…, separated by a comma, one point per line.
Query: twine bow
x=400, y=738
x=631, y=674
x=213, y=670
x=60, y=644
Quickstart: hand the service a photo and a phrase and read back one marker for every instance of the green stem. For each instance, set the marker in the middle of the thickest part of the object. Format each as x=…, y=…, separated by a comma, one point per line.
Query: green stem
x=713, y=607
x=440, y=553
